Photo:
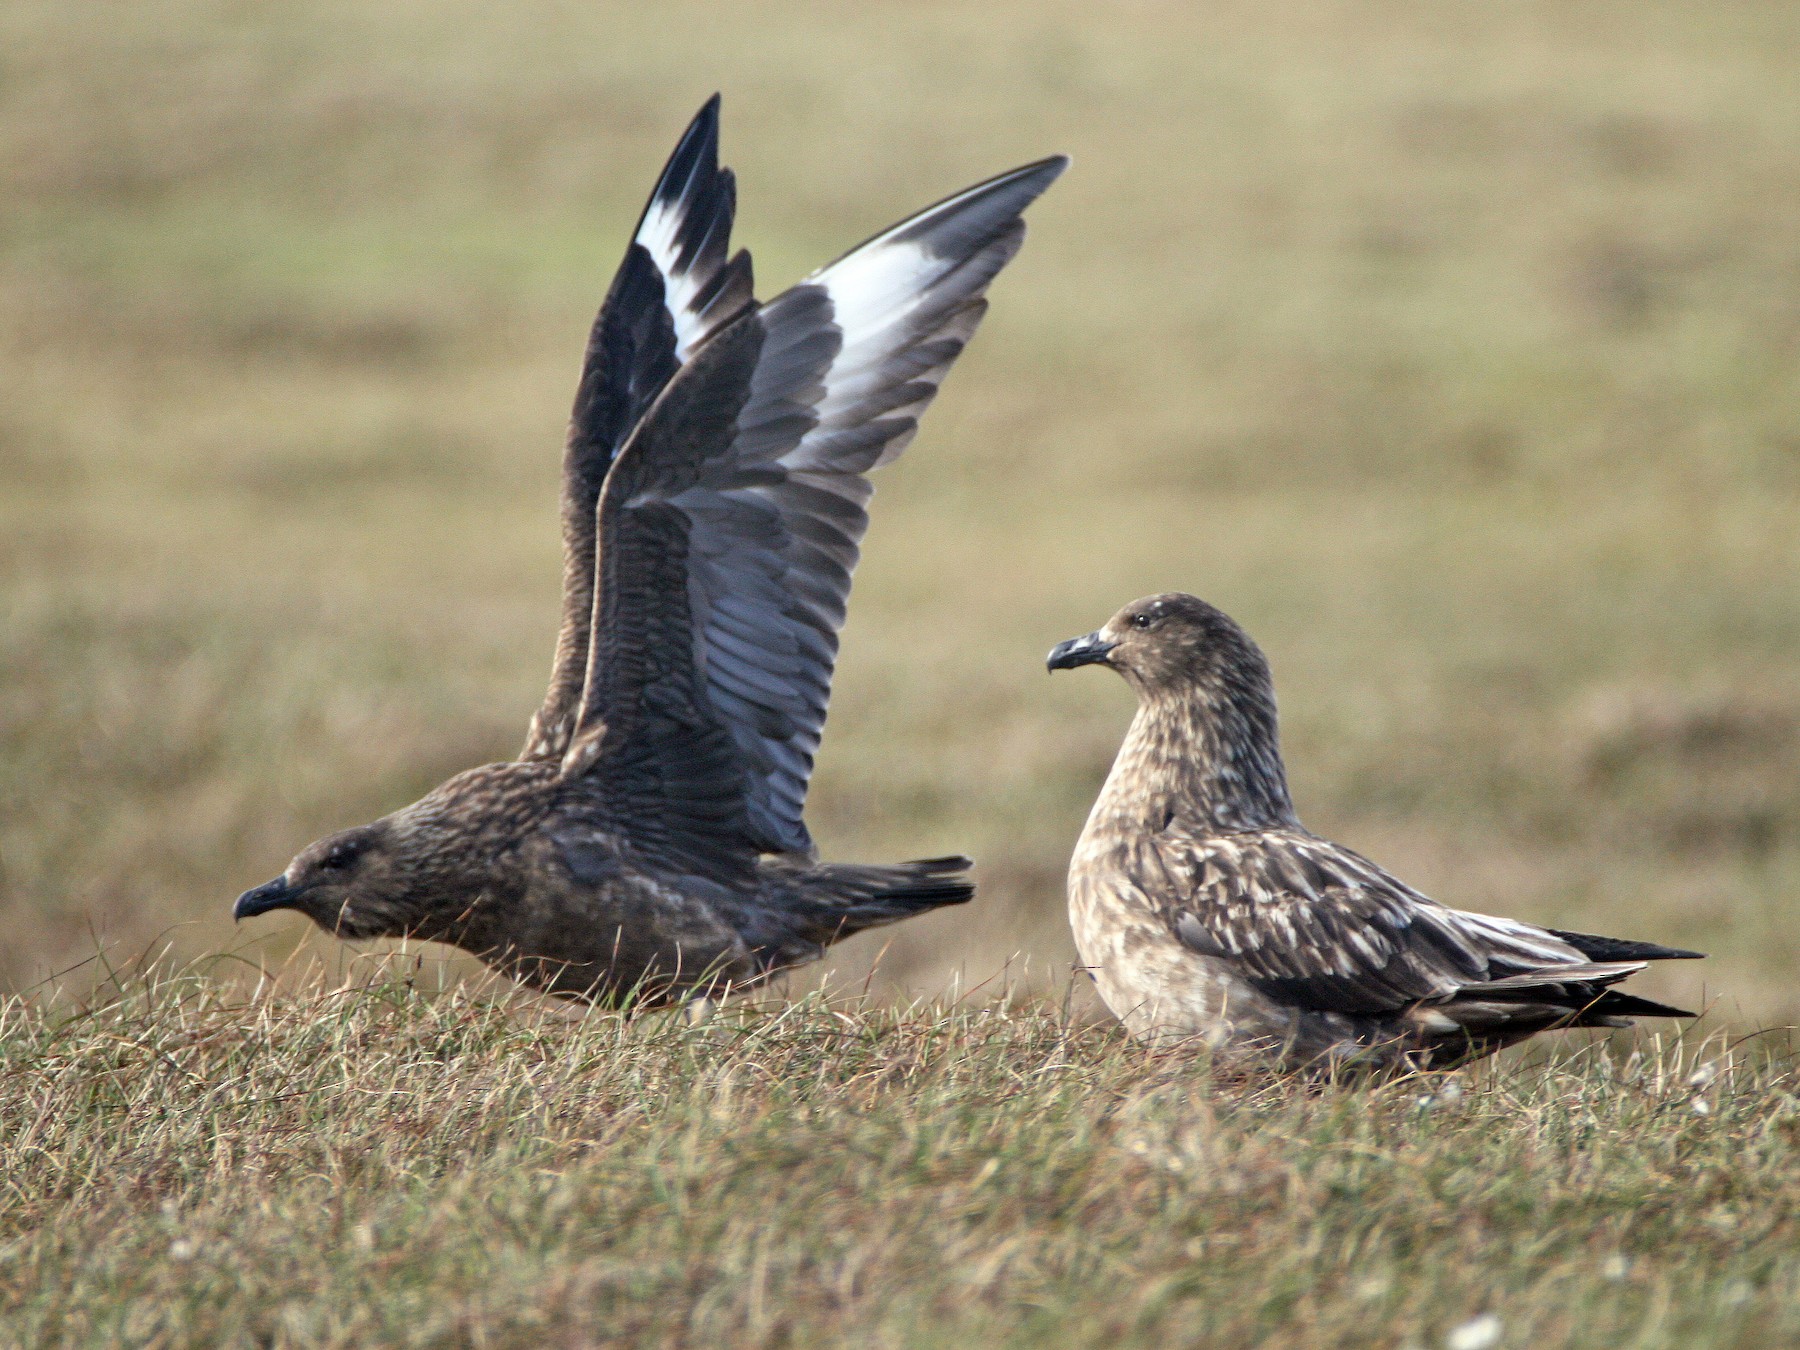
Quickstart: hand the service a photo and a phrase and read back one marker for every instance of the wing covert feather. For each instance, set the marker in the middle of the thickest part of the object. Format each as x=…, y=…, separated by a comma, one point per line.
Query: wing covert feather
x=1324, y=928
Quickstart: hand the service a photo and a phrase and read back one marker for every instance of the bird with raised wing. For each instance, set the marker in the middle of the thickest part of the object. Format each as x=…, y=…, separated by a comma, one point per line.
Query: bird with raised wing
x=1204, y=909
x=648, y=843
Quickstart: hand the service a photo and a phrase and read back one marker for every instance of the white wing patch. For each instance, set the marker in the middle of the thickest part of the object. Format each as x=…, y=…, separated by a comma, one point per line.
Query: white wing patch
x=875, y=287
x=662, y=224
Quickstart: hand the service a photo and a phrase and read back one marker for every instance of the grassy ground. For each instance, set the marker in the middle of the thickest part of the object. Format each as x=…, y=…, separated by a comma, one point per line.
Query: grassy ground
x=1456, y=353
x=379, y=1166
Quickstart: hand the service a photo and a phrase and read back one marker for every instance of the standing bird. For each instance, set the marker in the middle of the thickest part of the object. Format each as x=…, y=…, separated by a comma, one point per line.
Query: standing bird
x=647, y=845
x=1203, y=908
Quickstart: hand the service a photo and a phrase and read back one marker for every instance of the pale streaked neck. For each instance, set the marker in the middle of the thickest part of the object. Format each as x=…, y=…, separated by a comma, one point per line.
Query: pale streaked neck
x=1212, y=764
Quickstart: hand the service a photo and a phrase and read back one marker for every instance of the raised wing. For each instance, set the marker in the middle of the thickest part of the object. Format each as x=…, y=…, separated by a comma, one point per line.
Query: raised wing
x=1321, y=927
x=732, y=520
x=675, y=288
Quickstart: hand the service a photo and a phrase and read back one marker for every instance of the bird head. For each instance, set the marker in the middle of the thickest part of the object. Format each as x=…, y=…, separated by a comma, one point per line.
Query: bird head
x=419, y=872
x=354, y=884
x=1207, y=707
x=1171, y=644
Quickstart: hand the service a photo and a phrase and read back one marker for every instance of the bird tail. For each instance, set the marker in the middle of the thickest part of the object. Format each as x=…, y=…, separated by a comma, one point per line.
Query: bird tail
x=839, y=899
x=1573, y=996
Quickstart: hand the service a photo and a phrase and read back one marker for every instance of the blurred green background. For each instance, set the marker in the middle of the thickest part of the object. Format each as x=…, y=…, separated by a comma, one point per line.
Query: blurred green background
x=1455, y=349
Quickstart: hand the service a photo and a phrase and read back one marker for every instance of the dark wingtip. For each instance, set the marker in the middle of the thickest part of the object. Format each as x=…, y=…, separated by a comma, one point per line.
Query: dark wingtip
x=705, y=122
x=699, y=141
x=705, y=126
x=1039, y=174
x=960, y=224
x=1020, y=187
x=1598, y=948
x=694, y=160
x=1618, y=1003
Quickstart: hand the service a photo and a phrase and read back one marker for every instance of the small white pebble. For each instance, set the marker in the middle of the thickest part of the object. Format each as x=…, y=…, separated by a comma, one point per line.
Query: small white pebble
x=183, y=1249
x=699, y=1011
x=1448, y=1093
x=1478, y=1333
x=1701, y=1106
x=1615, y=1267
x=1704, y=1075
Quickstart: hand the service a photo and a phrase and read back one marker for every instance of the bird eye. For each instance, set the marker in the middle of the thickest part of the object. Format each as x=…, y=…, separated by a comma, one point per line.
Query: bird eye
x=1140, y=620
x=338, y=859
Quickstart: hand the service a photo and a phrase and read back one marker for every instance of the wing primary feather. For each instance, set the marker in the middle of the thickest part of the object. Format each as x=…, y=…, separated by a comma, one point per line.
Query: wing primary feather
x=674, y=289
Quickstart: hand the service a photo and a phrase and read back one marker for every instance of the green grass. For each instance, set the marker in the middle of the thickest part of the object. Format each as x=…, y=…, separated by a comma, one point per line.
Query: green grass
x=1456, y=353
x=377, y=1164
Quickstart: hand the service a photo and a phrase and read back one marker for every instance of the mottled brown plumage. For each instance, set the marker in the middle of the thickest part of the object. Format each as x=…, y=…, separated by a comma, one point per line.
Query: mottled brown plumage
x=649, y=840
x=1204, y=909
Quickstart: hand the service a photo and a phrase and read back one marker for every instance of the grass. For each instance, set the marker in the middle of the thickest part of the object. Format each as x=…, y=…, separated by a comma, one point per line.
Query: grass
x=1455, y=355
x=378, y=1163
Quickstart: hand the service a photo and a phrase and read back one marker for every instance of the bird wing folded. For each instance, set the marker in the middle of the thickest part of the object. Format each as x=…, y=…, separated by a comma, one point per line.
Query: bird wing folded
x=1321, y=927
x=676, y=287
x=731, y=521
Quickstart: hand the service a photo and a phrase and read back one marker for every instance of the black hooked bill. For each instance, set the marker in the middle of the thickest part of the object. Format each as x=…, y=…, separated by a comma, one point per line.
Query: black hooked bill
x=276, y=894
x=1081, y=651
